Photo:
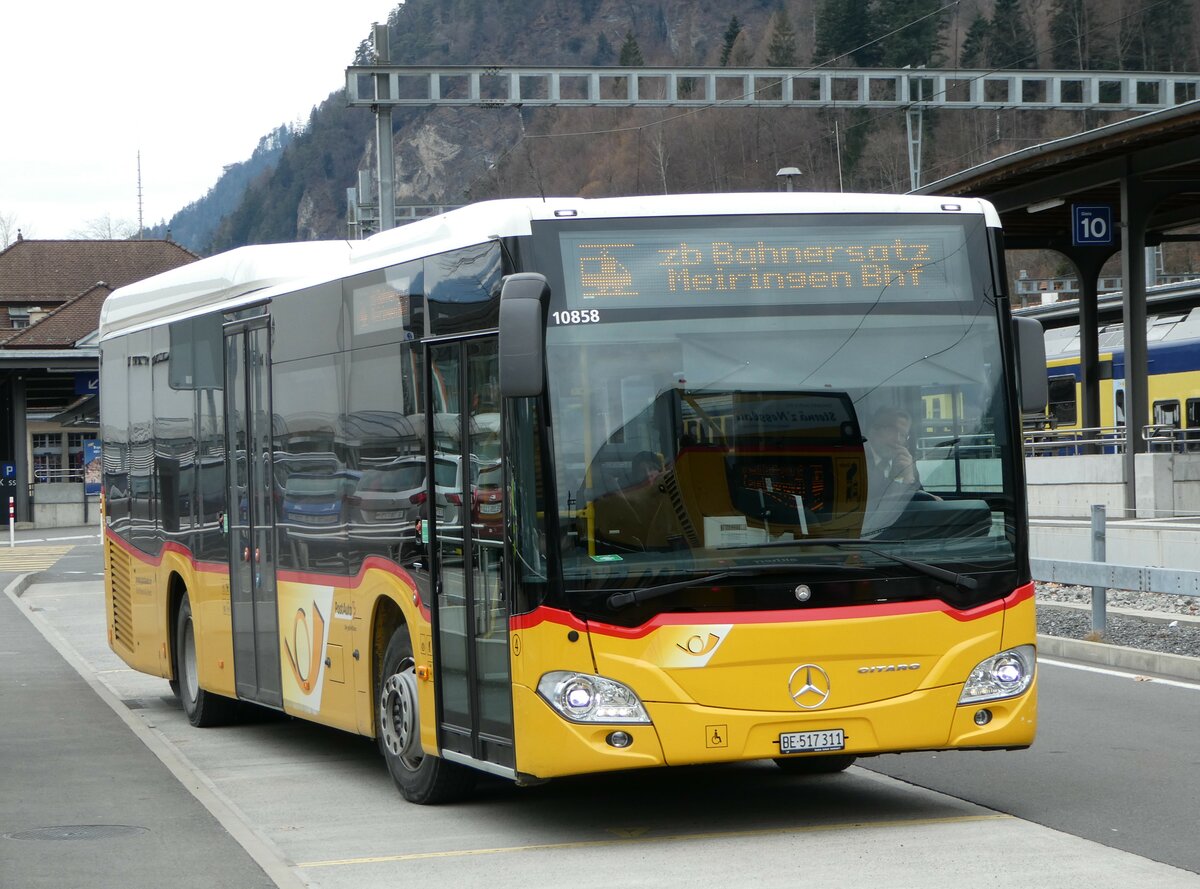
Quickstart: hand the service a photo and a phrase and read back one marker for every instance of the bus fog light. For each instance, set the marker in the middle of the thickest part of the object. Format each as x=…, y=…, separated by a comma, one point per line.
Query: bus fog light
x=581, y=697
x=1005, y=675
x=983, y=717
x=619, y=739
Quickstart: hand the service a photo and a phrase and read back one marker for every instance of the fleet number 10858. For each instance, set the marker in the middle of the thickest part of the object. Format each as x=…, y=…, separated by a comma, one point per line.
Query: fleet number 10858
x=576, y=316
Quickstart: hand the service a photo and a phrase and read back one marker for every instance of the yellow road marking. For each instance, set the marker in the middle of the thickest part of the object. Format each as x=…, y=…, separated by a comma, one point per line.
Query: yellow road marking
x=673, y=838
x=31, y=558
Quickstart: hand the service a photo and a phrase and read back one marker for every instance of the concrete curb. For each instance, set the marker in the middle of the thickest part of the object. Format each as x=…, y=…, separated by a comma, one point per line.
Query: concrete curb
x=1174, y=666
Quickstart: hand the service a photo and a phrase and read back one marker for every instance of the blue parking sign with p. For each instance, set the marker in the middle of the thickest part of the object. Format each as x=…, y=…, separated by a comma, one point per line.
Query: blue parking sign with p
x=1091, y=225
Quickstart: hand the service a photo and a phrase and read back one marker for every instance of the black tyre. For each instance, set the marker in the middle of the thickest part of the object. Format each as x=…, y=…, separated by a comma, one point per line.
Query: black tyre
x=815, y=765
x=203, y=708
x=421, y=778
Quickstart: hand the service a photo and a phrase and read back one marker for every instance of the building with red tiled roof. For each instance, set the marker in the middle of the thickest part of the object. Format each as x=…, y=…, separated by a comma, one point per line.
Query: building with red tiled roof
x=50, y=298
x=65, y=326
x=38, y=276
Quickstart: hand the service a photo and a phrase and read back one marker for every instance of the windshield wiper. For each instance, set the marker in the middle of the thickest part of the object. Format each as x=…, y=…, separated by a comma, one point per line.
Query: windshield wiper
x=632, y=597
x=961, y=581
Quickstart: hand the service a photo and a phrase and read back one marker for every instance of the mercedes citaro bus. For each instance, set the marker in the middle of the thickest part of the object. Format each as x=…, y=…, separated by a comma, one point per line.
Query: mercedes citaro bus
x=645, y=518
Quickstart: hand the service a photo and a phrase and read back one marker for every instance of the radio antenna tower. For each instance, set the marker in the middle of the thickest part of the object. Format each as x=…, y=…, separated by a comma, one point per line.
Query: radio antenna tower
x=141, y=230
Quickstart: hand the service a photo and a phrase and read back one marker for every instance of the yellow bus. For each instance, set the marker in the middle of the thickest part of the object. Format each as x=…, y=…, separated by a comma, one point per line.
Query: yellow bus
x=549, y=487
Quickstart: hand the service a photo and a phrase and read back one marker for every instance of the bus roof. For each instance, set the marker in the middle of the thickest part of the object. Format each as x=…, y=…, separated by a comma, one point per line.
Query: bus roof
x=221, y=278
x=270, y=269
x=510, y=217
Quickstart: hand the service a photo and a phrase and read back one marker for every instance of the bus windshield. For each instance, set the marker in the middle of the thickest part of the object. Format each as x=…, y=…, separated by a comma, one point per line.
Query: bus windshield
x=742, y=398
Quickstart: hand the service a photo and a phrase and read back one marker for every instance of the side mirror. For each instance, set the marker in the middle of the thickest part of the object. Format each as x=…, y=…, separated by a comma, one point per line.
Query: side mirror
x=1032, y=383
x=523, y=301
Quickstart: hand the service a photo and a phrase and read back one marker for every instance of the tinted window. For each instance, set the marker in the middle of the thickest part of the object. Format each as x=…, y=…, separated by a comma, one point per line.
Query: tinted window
x=386, y=306
x=309, y=322
x=174, y=442
x=141, y=441
x=114, y=424
x=312, y=461
x=463, y=289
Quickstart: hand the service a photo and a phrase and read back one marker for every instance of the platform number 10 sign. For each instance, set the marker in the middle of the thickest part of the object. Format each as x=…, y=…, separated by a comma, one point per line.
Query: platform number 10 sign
x=1091, y=226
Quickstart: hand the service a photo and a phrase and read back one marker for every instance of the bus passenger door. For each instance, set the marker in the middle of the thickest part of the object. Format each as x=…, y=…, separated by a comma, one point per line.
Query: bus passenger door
x=470, y=623
x=250, y=518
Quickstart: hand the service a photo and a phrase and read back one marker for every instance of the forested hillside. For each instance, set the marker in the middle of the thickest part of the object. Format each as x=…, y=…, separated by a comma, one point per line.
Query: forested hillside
x=452, y=155
x=195, y=224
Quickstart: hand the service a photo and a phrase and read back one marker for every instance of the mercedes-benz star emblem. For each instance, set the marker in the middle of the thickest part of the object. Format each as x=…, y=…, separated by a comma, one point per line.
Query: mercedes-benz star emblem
x=809, y=686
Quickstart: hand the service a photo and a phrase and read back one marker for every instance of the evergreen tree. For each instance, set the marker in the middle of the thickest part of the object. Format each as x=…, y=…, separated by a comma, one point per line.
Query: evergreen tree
x=1069, y=36
x=844, y=26
x=781, y=52
x=631, y=53
x=975, y=44
x=915, y=33
x=731, y=35
x=1012, y=44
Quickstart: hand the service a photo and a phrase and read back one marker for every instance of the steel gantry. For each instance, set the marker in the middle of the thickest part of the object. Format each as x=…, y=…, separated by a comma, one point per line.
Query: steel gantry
x=383, y=86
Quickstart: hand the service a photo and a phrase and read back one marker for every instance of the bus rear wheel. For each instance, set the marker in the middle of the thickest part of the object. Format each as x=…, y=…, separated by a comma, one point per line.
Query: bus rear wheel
x=815, y=765
x=421, y=778
x=203, y=708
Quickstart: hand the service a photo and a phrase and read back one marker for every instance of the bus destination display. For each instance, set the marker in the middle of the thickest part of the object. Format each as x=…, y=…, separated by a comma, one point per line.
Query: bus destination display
x=764, y=266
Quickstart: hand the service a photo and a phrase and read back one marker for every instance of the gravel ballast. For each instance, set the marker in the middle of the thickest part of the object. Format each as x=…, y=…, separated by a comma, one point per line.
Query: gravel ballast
x=1164, y=623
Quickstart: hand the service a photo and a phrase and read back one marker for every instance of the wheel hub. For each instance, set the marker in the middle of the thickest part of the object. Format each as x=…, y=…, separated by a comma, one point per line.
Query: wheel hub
x=398, y=716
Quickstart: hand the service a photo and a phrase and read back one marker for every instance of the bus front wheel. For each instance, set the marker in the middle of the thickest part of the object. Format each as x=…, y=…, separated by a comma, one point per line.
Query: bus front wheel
x=421, y=778
x=203, y=708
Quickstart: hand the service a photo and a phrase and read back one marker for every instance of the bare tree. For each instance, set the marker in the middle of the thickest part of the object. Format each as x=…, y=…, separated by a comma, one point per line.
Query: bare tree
x=9, y=226
x=661, y=155
x=105, y=228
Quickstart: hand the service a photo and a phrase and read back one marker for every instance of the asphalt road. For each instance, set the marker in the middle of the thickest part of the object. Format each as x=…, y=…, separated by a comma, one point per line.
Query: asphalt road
x=1117, y=761
x=1105, y=798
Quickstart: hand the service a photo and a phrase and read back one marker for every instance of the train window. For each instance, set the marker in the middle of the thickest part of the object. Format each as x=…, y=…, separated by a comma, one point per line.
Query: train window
x=1193, y=413
x=1062, y=401
x=1166, y=413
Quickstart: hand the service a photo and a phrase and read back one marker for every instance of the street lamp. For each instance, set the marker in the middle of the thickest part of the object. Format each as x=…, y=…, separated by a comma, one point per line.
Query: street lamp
x=788, y=173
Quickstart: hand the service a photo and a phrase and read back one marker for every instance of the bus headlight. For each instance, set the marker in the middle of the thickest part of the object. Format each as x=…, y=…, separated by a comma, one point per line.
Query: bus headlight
x=1004, y=675
x=581, y=697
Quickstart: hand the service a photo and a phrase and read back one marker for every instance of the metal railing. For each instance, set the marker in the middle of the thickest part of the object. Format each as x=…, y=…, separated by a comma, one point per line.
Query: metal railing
x=42, y=476
x=1102, y=576
x=975, y=446
x=1075, y=441
x=1167, y=438
x=1159, y=438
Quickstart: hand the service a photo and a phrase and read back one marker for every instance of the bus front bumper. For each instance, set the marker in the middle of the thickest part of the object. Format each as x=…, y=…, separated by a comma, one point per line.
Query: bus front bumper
x=688, y=734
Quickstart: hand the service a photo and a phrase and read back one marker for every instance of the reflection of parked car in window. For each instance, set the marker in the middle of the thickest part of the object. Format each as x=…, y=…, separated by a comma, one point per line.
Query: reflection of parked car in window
x=318, y=501
x=448, y=487
x=487, y=503
x=388, y=501
x=449, y=484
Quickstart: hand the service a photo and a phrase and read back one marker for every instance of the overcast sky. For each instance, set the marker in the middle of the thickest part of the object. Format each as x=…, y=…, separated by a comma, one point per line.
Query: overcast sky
x=85, y=86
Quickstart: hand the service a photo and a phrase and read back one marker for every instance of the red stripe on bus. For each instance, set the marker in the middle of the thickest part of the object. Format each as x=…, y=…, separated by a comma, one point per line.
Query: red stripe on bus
x=169, y=546
x=847, y=612
x=287, y=575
